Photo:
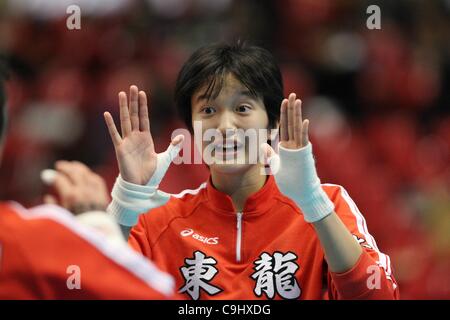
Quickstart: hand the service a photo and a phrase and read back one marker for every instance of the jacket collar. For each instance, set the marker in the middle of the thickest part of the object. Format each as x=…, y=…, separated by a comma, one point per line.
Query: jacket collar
x=258, y=202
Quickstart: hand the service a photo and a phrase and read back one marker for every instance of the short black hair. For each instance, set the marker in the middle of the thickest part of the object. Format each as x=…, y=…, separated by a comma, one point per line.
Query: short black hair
x=253, y=66
x=3, y=77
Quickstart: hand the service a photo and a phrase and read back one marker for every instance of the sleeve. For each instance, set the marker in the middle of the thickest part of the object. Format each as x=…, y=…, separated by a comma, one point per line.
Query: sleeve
x=371, y=277
x=139, y=239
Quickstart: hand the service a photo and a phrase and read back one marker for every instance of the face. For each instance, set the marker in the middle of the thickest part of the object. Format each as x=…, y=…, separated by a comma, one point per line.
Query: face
x=233, y=112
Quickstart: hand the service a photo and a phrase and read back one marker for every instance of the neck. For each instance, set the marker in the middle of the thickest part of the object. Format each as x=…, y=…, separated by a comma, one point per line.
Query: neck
x=239, y=186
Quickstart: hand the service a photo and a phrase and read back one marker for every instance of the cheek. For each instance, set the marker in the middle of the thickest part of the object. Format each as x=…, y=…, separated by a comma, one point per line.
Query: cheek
x=202, y=138
x=265, y=120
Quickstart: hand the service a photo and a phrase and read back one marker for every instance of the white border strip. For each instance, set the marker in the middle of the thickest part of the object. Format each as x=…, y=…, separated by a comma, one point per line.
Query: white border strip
x=190, y=191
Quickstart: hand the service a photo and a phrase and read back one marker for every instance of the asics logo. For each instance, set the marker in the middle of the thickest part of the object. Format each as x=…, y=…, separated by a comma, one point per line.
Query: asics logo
x=196, y=236
x=187, y=232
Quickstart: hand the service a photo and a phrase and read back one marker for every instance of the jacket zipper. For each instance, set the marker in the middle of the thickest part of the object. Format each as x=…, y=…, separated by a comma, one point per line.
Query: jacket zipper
x=238, y=236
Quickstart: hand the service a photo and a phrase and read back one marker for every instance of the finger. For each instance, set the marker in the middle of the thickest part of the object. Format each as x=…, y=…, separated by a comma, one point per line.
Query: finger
x=102, y=187
x=134, y=108
x=125, y=123
x=113, y=133
x=49, y=199
x=63, y=188
x=84, y=172
x=144, y=122
x=305, y=133
x=90, y=184
x=82, y=167
x=99, y=191
x=298, y=122
x=283, y=121
x=71, y=171
x=90, y=178
x=290, y=113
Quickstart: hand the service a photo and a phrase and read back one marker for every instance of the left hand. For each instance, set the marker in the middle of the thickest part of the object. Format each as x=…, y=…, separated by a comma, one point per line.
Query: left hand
x=78, y=188
x=293, y=129
x=294, y=167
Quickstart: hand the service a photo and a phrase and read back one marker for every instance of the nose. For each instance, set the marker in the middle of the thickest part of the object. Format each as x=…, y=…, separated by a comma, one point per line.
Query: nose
x=226, y=123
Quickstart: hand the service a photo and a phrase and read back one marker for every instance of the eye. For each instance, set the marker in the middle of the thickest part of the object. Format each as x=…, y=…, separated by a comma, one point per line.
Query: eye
x=243, y=108
x=208, y=110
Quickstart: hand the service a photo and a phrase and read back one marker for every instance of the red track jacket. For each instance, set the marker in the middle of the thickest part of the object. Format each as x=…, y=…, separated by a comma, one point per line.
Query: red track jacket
x=42, y=249
x=267, y=251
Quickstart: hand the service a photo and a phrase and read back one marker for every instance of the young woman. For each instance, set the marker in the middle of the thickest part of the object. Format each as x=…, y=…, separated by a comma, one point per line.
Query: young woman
x=242, y=234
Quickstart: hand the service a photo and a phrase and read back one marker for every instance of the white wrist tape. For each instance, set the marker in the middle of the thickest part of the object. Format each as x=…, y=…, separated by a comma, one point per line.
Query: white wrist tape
x=296, y=177
x=163, y=162
x=129, y=200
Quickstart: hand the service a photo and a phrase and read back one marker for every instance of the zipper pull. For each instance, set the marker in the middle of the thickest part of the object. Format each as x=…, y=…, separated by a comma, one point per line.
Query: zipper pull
x=238, y=236
x=239, y=220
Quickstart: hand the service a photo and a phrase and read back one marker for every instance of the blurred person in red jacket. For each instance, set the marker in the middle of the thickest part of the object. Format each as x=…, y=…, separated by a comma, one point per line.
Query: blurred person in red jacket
x=48, y=253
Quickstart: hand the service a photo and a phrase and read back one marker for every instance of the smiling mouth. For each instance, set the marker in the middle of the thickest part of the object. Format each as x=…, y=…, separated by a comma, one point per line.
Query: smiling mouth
x=228, y=148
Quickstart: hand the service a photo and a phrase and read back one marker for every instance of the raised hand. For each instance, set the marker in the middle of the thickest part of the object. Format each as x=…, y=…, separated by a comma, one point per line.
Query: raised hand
x=135, y=151
x=293, y=167
x=293, y=130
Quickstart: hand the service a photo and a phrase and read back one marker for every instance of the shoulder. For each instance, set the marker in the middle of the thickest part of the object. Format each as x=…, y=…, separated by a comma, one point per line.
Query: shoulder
x=15, y=216
x=334, y=191
x=345, y=206
x=38, y=232
x=340, y=196
x=179, y=206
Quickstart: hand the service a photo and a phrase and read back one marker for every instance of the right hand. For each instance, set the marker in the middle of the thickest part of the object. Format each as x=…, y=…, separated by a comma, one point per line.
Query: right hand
x=77, y=188
x=135, y=151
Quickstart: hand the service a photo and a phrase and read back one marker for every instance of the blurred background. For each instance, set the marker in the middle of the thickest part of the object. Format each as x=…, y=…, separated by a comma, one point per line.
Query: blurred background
x=378, y=100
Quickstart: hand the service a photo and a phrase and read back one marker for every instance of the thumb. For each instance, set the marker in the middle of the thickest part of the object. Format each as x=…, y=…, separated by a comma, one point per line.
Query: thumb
x=267, y=152
x=270, y=157
x=175, y=146
x=178, y=140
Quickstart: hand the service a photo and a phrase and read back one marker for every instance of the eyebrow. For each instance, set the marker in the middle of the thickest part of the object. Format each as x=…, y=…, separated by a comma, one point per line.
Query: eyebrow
x=246, y=93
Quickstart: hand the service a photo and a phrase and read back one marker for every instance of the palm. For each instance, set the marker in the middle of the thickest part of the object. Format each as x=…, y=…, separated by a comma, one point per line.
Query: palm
x=135, y=151
x=136, y=157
